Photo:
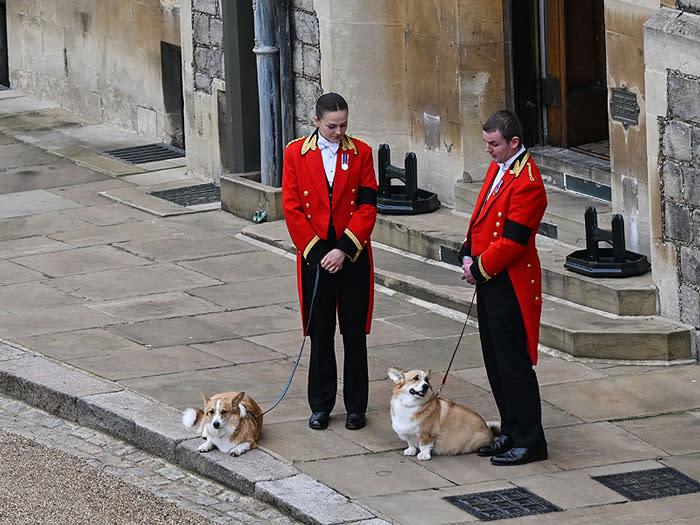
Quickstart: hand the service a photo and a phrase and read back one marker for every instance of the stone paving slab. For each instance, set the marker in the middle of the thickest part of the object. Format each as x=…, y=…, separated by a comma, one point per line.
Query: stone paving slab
x=55, y=173
x=170, y=174
x=303, y=496
x=247, y=266
x=18, y=158
x=658, y=432
x=77, y=343
x=155, y=306
x=11, y=273
x=186, y=247
x=31, y=203
x=249, y=294
x=170, y=332
x=139, y=199
x=108, y=215
x=42, y=320
x=100, y=163
x=92, y=235
x=24, y=296
x=30, y=246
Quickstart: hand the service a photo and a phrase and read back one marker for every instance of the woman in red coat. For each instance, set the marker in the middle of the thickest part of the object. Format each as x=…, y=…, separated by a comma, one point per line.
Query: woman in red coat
x=329, y=194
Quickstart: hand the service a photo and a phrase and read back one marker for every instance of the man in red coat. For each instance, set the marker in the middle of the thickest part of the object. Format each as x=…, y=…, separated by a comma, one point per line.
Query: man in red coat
x=500, y=258
x=329, y=194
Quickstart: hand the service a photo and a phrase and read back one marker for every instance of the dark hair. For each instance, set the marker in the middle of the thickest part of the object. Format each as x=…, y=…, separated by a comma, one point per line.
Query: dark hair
x=506, y=123
x=330, y=102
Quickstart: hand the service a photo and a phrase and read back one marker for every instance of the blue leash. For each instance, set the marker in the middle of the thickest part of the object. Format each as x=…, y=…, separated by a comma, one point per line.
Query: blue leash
x=306, y=330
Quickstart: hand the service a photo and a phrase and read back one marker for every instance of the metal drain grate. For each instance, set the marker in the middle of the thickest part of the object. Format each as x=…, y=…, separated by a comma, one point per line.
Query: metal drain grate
x=650, y=484
x=502, y=504
x=191, y=195
x=146, y=153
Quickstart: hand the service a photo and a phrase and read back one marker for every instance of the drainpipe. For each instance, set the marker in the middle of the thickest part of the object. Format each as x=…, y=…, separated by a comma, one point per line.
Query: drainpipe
x=267, y=54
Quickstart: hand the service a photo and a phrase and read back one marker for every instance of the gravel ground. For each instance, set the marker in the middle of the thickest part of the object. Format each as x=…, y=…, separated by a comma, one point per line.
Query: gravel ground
x=42, y=485
x=56, y=472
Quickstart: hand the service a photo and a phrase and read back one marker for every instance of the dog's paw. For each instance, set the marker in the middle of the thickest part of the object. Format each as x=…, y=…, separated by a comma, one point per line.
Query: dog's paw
x=240, y=449
x=424, y=455
x=410, y=451
x=205, y=447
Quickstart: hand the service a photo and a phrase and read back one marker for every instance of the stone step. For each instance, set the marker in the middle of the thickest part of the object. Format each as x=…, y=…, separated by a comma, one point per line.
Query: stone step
x=564, y=218
x=574, y=171
x=439, y=236
x=571, y=328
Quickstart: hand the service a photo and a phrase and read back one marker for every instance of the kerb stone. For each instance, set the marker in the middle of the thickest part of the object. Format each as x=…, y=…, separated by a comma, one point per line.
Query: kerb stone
x=134, y=418
x=49, y=386
x=305, y=498
x=240, y=473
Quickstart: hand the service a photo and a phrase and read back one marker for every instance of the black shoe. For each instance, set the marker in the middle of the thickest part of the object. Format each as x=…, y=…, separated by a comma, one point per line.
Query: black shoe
x=520, y=456
x=355, y=421
x=319, y=420
x=501, y=445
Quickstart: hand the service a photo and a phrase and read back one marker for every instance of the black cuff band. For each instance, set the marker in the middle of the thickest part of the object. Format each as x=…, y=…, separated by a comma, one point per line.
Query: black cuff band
x=316, y=253
x=345, y=243
x=367, y=195
x=517, y=232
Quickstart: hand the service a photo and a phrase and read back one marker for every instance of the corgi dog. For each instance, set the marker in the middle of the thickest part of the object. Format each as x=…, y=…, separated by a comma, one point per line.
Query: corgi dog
x=230, y=421
x=431, y=424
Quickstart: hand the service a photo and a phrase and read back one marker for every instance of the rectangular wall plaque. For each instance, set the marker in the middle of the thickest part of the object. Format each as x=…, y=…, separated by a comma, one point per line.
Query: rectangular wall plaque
x=624, y=107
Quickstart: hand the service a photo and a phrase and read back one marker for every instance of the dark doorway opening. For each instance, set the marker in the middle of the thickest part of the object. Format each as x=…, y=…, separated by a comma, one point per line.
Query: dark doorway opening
x=239, y=113
x=4, y=62
x=173, y=100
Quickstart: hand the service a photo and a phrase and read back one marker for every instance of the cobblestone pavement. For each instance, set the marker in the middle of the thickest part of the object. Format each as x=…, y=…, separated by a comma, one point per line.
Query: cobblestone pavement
x=53, y=471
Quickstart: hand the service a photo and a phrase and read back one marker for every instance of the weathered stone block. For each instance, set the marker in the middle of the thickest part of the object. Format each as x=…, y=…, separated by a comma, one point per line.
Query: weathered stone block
x=202, y=82
x=305, y=27
x=298, y=58
x=211, y=7
x=684, y=97
x=243, y=197
x=672, y=174
x=307, y=92
x=216, y=32
x=696, y=145
x=691, y=186
x=690, y=5
x=676, y=221
x=690, y=265
x=690, y=305
x=200, y=23
x=306, y=5
x=696, y=227
x=676, y=140
x=312, y=62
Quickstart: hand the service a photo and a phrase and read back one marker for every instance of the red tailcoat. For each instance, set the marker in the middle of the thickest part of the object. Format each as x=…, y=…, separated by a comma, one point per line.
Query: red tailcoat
x=308, y=210
x=501, y=237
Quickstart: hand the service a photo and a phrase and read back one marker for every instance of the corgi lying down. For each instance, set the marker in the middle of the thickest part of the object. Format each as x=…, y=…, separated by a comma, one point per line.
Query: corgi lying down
x=431, y=424
x=230, y=421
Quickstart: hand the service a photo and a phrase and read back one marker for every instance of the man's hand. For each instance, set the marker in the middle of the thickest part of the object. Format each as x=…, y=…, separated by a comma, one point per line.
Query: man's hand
x=333, y=261
x=467, y=275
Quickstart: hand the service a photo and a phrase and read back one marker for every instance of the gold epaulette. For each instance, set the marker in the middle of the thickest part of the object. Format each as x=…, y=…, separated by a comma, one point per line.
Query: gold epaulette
x=310, y=143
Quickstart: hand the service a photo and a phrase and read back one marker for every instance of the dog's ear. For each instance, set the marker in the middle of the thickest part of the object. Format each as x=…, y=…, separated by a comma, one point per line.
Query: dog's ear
x=237, y=398
x=206, y=399
x=395, y=374
x=427, y=374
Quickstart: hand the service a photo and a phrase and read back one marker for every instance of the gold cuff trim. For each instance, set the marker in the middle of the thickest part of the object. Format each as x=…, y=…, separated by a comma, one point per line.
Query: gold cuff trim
x=356, y=241
x=311, y=244
x=483, y=270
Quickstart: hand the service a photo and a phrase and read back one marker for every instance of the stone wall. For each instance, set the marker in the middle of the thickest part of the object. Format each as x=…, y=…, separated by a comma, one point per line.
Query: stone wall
x=680, y=186
x=208, y=43
x=672, y=77
x=101, y=59
x=306, y=58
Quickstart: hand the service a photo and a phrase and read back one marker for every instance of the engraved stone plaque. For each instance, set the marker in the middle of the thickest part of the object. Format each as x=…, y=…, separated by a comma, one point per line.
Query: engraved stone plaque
x=624, y=107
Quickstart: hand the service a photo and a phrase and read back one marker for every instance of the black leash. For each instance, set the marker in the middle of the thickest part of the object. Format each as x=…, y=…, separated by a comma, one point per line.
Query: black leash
x=306, y=331
x=444, y=379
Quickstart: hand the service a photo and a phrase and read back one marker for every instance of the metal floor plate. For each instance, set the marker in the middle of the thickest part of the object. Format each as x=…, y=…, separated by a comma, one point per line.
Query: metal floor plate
x=146, y=153
x=191, y=195
x=650, y=484
x=503, y=504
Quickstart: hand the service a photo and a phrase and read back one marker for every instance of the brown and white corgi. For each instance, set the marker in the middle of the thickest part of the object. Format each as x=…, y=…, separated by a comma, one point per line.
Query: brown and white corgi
x=230, y=421
x=431, y=424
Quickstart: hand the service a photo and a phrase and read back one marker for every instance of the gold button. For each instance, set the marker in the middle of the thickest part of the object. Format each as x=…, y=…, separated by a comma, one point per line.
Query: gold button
x=529, y=265
x=537, y=298
x=497, y=224
x=352, y=202
x=308, y=216
x=306, y=193
x=354, y=190
x=365, y=242
x=500, y=214
x=308, y=205
x=495, y=234
x=532, y=281
x=350, y=214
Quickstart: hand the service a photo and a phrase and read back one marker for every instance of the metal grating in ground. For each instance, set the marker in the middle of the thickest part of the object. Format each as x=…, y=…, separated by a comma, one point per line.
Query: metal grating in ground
x=146, y=153
x=503, y=504
x=191, y=195
x=650, y=484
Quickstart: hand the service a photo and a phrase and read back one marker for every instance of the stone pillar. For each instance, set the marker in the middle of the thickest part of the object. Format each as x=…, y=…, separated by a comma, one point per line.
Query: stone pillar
x=672, y=55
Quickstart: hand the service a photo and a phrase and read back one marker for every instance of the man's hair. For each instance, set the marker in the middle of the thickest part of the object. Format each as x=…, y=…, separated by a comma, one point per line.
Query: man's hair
x=330, y=102
x=506, y=123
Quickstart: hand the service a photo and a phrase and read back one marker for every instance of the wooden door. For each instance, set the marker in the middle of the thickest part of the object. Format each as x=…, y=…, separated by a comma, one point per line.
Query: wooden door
x=576, y=64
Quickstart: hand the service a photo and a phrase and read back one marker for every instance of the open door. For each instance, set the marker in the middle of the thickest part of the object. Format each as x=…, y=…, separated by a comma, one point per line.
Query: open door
x=576, y=72
x=4, y=64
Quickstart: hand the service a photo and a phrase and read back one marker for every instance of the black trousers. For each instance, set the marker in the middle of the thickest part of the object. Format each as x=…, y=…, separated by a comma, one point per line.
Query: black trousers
x=348, y=292
x=508, y=365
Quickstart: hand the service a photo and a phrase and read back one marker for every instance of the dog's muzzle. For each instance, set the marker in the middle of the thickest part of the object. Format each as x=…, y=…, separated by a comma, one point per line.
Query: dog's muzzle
x=423, y=390
x=216, y=424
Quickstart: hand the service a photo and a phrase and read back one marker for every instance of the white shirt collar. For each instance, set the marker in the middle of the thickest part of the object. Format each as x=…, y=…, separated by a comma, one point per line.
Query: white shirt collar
x=324, y=143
